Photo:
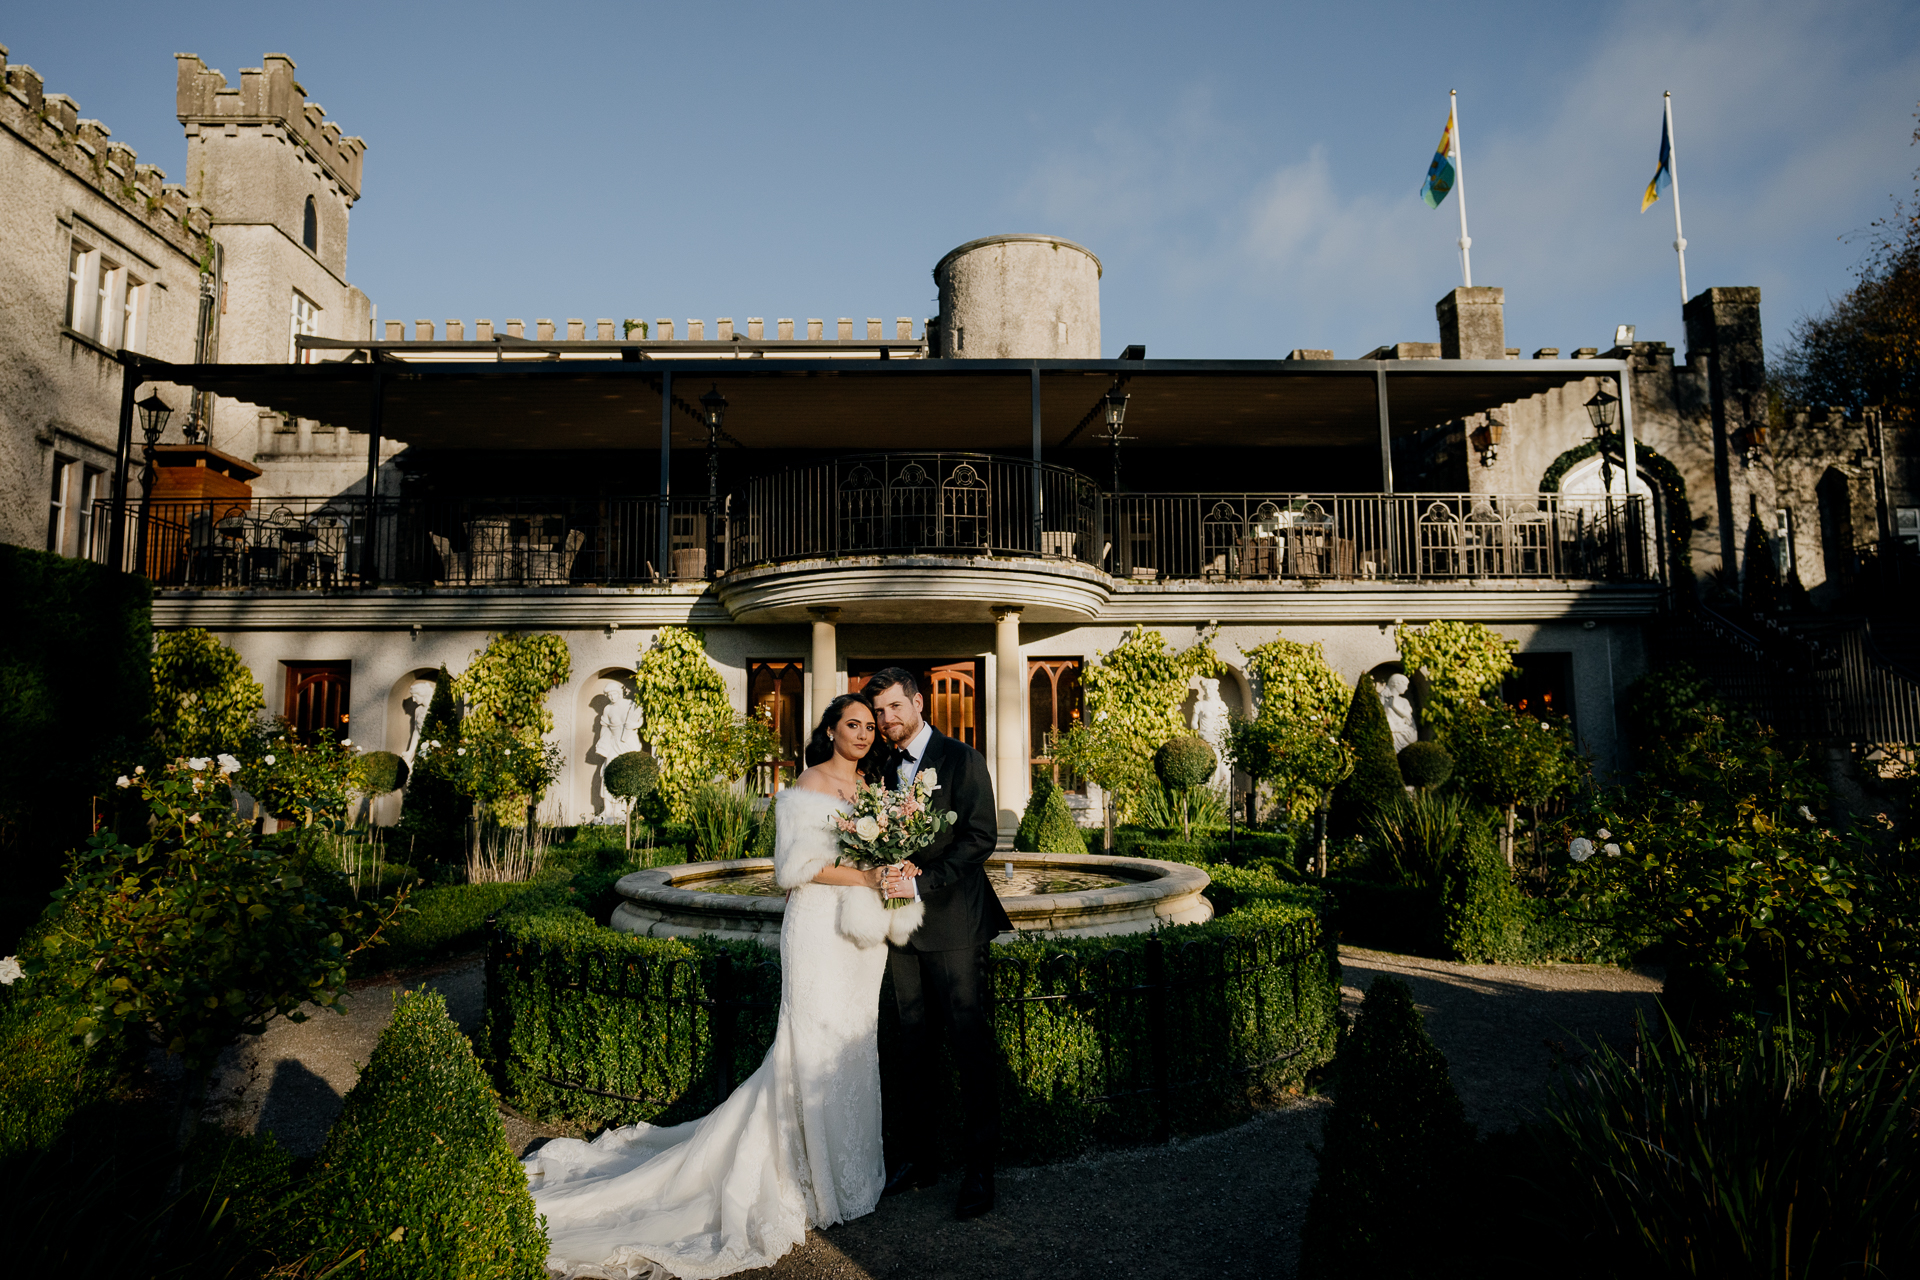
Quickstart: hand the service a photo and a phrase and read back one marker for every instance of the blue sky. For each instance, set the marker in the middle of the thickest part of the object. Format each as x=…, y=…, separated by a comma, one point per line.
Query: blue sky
x=1248, y=174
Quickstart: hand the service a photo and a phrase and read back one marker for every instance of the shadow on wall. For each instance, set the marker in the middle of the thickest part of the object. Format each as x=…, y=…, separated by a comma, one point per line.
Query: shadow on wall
x=608, y=725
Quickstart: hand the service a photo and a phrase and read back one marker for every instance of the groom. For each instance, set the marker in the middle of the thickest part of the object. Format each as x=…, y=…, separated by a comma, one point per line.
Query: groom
x=940, y=975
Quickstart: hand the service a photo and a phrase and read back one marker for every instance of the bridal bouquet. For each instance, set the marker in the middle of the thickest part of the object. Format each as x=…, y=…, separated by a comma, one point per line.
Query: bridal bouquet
x=885, y=826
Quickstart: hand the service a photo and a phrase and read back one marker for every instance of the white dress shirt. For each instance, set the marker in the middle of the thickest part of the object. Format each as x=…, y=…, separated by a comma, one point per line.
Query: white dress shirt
x=910, y=769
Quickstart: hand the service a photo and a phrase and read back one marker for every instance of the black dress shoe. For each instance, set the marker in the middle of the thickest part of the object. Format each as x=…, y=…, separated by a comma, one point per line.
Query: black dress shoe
x=912, y=1176
x=976, y=1196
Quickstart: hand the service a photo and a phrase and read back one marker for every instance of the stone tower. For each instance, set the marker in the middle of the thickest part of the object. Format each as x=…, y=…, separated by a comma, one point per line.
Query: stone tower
x=1018, y=298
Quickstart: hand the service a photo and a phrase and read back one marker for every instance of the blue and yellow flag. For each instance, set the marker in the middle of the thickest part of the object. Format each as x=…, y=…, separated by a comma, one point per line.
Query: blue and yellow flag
x=1663, y=176
x=1440, y=172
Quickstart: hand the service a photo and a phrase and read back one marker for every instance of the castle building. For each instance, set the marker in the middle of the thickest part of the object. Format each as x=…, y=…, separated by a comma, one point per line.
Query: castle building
x=983, y=497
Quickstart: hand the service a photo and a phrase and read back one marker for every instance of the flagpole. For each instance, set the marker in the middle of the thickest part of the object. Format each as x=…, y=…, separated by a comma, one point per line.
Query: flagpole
x=1673, y=175
x=1460, y=189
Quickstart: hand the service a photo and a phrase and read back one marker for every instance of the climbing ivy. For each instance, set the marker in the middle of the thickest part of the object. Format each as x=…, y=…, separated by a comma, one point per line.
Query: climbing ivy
x=1461, y=661
x=1134, y=694
x=686, y=712
x=1295, y=682
x=204, y=698
x=505, y=687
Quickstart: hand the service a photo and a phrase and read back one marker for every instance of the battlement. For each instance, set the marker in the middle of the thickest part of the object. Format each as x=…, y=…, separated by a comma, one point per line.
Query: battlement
x=269, y=97
x=51, y=124
x=660, y=332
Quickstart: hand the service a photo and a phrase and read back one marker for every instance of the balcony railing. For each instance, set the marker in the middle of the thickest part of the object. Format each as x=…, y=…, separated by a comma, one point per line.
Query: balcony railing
x=950, y=505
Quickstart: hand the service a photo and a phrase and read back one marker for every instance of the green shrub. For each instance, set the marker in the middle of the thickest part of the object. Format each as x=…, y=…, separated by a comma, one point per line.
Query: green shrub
x=73, y=627
x=765, y=833
x=1482, y=920
x=1767, y=1163
x=722, y=819
x=1561, y=929
x=1186, y=761
x=1375, y=781
x=1048, y=825
x=1425, y=765
x=416, y=1170
x=376, y=772
x=47, y=1077
x=451, y=918
x=617, y=1018
x=435, y=814
x=1237, y=888
x=1392, y=1151
x=204, y=697
x=1417, y=834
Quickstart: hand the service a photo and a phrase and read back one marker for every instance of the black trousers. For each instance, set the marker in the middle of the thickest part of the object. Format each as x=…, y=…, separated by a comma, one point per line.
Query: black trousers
x=948, y=989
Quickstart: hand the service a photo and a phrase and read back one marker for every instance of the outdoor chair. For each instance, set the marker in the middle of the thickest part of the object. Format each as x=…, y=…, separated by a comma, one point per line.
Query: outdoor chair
x=453, y=564
x=553, y=565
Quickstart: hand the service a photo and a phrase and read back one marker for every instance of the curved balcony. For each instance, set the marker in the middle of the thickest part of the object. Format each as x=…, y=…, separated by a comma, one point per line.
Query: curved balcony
x=916, y=504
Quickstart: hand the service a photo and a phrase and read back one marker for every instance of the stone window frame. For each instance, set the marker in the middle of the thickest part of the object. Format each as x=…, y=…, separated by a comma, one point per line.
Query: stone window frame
x=107, y=294
x=301, y=320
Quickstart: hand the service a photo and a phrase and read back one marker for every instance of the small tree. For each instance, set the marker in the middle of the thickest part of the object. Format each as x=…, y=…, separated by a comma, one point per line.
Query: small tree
x=199, y=936
x=1048, y=825
x=1392, y=1150
x=506, y=689
x=1508, y=758
x=686, y=711
x=1375, y=782
x=1301, y=760
x=632, y=776
x=204, y=698
x=1104, y=758
x=1182, y=764
x=1134, y=697
x=1425, y=765
x=435, y=812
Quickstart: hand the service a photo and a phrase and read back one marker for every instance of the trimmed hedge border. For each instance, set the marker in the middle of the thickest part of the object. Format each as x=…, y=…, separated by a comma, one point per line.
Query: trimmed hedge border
x=1105, y=1040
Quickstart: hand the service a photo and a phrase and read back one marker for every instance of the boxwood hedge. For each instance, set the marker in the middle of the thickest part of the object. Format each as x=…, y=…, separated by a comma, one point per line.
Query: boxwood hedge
x=1104, y=1040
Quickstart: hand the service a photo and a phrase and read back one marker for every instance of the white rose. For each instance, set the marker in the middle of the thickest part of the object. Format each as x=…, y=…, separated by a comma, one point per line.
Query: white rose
x=123, y=782
x=197, y=763
x=346, y=742
x=1604, y=834
x=1613, y=851
x=1806, y=813
x=227, y=763
x=932, y=777
x=139, y=768
x=867, y=828
x=269, y=759
x=10, y=971
x=1580, y=849
x=460, y=751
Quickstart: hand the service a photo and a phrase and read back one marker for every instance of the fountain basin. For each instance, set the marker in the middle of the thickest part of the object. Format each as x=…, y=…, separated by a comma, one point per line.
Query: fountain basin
x=668, y=902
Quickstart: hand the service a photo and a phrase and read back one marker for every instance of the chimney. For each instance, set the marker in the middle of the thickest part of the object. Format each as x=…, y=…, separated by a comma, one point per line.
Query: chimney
x=1473, y=324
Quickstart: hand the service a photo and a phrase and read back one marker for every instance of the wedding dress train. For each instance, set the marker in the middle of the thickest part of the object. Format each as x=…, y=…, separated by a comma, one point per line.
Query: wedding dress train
x=797, y=1144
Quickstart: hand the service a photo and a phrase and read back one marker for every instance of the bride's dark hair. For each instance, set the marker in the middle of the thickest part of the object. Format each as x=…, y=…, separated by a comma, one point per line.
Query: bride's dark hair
x=872, y=766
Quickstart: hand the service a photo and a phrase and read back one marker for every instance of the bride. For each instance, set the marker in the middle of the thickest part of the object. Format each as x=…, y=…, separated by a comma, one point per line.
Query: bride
x=798, y=1144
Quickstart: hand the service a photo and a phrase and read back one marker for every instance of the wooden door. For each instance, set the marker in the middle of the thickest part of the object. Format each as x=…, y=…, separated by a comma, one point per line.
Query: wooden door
x=319, y=696
x=775, y=691
x=950, y=687
x=1053, y=709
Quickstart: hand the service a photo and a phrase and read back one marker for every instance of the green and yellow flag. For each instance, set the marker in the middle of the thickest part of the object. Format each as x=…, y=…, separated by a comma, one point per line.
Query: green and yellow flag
x=1440, y=173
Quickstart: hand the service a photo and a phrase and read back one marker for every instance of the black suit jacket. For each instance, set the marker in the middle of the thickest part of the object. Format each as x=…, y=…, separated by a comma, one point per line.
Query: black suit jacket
x=962, y=908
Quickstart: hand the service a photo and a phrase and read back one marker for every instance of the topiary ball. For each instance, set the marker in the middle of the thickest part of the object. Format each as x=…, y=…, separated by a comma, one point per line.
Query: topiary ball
x=1425, y=764
x=1184, y=762
x=633, y=775
x=378, y=772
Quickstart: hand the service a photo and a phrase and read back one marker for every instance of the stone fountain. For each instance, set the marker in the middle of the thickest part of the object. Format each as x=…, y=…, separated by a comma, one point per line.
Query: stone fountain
x=1057, y=894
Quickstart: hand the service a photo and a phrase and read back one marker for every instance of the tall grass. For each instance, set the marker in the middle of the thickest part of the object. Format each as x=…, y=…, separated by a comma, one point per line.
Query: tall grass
x=1777, y=1162
x=509, y=855
x=1185, y=809
x=721, y=821
x=1417, y=832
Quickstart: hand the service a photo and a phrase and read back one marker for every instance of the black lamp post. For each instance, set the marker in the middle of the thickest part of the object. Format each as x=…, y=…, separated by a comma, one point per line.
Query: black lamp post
x=1600, y=411
x=154, y=413
x=713, y=407
x=1116, y=406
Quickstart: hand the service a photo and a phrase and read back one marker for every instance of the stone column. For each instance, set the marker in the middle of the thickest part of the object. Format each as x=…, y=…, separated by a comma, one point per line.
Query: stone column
x=1473, y=324
x=1724, y=326
x=823, y=675
x=1011, y=784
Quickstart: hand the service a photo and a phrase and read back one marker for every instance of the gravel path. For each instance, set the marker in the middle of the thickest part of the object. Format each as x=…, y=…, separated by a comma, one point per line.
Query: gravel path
x=1221, y=1205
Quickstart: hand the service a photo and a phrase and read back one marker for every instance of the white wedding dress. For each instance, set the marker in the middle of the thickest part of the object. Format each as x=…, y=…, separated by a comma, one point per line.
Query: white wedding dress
x=797, y=1144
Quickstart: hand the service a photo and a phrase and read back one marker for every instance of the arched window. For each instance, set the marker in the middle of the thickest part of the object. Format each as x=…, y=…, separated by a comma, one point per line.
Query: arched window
x=310, y=227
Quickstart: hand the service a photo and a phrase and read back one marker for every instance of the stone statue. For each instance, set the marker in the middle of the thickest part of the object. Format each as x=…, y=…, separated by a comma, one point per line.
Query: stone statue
x=1399, y=709
x=1210, y=723
x=615, y=733
x=419, y=698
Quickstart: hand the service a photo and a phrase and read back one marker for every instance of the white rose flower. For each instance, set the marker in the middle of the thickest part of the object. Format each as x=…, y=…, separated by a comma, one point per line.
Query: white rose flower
x=346, y=742
x=1613, y=851
x=10, y=971
x=123, y=782
x=269, y=759
x=194, y=818
x=1806, y=813
x=1580, y=849
x=197, y=763
x=867, y=828
x=460, y=751
x=1604, y=834
x=227, y=763
x=933, y=778
x=139, y=768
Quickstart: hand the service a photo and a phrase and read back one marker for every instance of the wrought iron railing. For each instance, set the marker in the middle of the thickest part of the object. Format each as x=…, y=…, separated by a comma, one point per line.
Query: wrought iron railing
x=950, y=504
x=1268, y=537
x=882, y=505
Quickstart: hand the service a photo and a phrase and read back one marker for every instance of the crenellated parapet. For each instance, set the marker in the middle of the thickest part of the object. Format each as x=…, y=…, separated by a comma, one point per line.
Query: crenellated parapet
x=267, y=97
x=51, y=124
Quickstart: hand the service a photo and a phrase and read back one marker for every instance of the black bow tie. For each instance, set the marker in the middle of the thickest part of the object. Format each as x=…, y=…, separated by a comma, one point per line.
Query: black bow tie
x=907, y=759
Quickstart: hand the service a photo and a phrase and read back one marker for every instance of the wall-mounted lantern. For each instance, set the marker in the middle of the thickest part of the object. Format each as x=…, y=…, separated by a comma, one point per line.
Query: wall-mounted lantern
x=1486, y=440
